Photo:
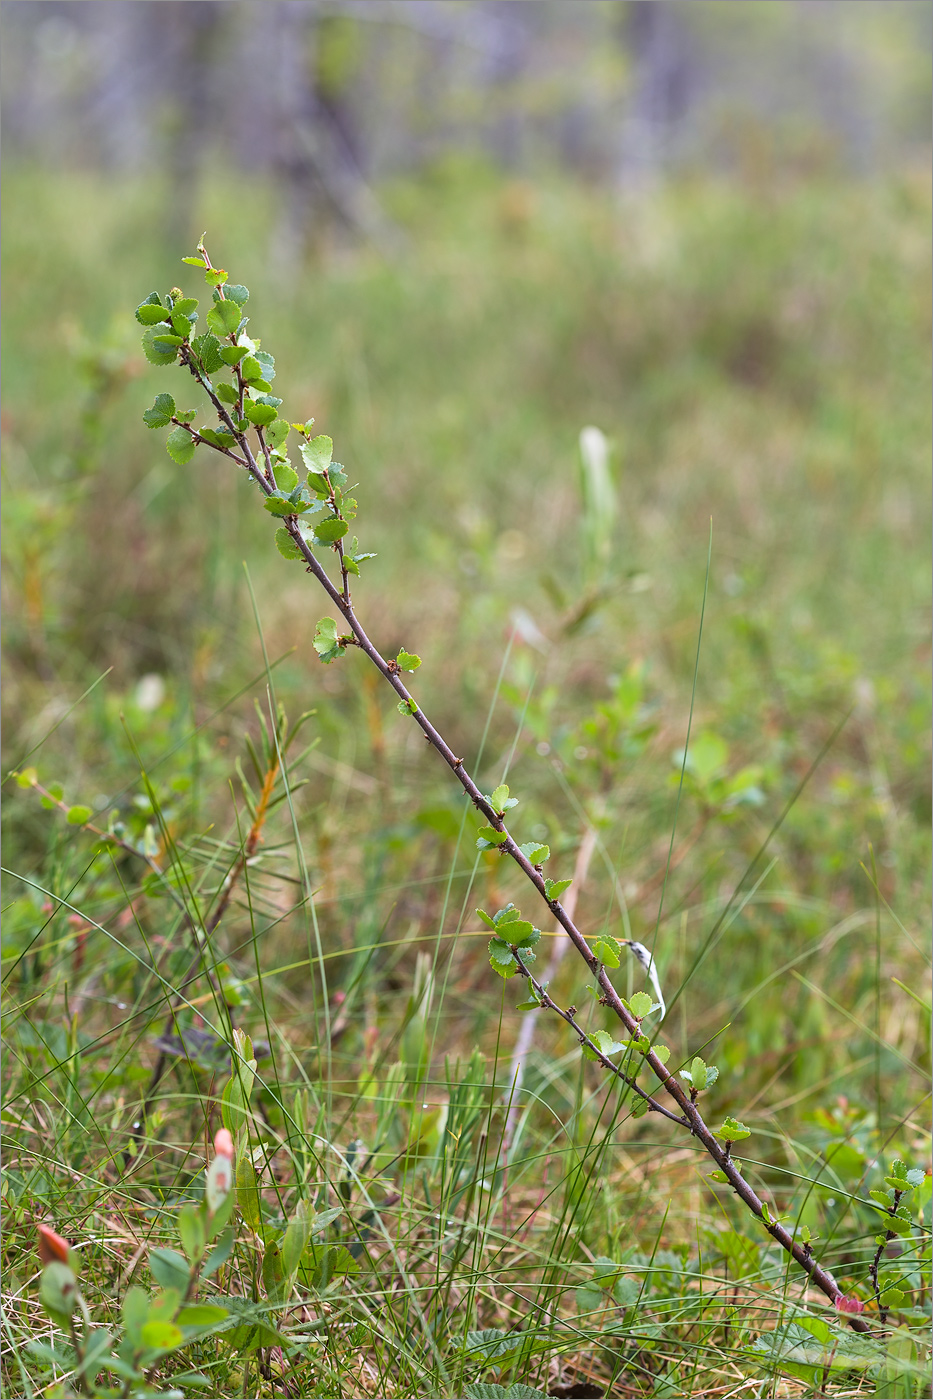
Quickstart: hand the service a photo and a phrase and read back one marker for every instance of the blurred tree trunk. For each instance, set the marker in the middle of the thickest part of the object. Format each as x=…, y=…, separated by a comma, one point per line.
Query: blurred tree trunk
x=195, y=35
x=505, y=43
x=662, y=85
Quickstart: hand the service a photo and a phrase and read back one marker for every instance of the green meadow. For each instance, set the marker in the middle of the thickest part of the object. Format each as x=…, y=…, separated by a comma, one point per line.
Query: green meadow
x=704, y=673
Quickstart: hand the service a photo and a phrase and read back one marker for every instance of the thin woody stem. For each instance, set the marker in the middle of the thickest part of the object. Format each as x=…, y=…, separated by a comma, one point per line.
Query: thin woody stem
x=689, y=1114
x=548, y=1003
x=879, y=1255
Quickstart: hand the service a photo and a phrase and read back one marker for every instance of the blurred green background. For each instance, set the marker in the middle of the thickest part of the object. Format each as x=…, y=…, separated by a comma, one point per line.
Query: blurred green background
x=470, y=231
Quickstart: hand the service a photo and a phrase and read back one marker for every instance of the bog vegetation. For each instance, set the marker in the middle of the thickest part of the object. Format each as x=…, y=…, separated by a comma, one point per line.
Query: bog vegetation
x=246, y=922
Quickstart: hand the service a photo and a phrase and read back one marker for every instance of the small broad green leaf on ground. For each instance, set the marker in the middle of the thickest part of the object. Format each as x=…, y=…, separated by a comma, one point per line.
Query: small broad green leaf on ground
x=58, y=1292
x=481, y=914
x=488, y=836
x=329, y=531
x=501, y=959
x=491, y=1343
x=161, y=1336
x=639, y=1005
x=233, y=291
x=707, y=756
x=589, y=1297
x=247, y=1191
x=318, y=453
x=78, y=815
x=608, y=951
x=208, y=350
x=180, y=446
x=259, y=414
x=535, y=852
x=201, y=1315
x=732, y=1130
x=323, y=1218
x=158, y=348
x=221, y=1251
x=169, y=1269
x=191, y=1232
x=407, y=661
x=135, y=1310
x=161, y=412
x=407, y=707
x=555, y=888
x=296, y=1237
x=224, y=317
x=489, y=1391
x=627, y=1292
x=273, y=1273
x=286, y=478
x=152, y=313
x=279, y=504
x=286, y=545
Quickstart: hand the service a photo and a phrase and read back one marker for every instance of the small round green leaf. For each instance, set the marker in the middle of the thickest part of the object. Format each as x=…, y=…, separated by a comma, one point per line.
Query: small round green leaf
x=259, y=414
x=161, y=1336
x=180, y=446
x=279, y=505
x=640, y=1004
x=286, y=478
x=161, y=412
x=158, y=349
x=329, y=531
x=318, y=452
x=78, y=815
x=149, y=315
x=224, y=317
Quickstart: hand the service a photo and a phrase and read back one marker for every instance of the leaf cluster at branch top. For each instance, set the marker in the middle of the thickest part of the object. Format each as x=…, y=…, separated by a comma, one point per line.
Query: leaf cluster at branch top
x=512, y=931
x=244, y=403
x=899, y=1182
